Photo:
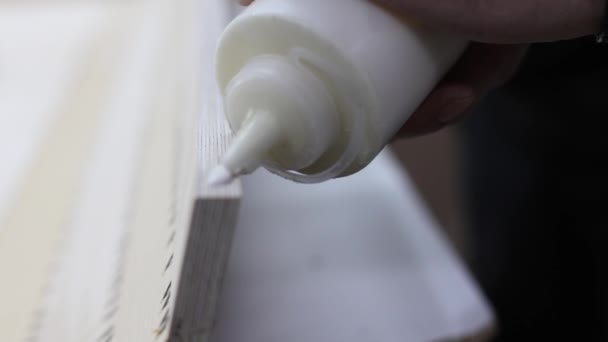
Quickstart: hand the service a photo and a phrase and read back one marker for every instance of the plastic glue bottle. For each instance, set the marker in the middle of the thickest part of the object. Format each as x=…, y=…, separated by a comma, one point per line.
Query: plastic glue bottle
x=314, y=89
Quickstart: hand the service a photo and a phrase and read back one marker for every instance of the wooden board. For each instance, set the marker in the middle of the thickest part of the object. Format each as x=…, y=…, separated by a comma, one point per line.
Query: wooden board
x=107, y=229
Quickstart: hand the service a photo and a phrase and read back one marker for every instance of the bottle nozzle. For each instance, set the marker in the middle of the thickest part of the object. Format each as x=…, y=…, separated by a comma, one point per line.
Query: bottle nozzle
x=259, y=132
x=220, y=175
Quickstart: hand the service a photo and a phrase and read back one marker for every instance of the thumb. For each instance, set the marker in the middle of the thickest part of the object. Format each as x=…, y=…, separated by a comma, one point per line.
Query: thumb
x=482, y=68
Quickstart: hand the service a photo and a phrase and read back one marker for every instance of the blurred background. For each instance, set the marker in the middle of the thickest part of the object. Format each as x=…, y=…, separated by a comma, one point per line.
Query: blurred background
x=520, y=187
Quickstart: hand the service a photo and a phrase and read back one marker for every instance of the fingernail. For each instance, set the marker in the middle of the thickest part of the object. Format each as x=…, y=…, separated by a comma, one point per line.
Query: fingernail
x=455, y=108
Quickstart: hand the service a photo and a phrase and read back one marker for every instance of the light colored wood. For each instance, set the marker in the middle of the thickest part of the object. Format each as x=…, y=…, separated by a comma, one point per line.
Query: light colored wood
x=202, y=272
x=204, y=251
x=37, y=219
x=112, y=234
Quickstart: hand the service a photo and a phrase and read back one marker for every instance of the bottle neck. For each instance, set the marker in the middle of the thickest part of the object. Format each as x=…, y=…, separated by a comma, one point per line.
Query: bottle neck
x=308, y=121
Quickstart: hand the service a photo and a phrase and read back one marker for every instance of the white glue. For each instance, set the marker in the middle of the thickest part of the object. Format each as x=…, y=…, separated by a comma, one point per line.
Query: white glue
x=315, y=89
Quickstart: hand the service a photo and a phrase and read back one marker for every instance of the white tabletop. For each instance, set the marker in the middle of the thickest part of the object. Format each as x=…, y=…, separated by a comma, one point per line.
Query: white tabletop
x=356, y=259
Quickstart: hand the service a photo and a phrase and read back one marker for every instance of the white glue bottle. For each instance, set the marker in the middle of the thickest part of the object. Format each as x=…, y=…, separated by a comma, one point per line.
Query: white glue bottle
x=314, y=89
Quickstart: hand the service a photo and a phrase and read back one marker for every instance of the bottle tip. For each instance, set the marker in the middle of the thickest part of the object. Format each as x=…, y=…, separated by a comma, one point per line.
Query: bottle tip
x=219, y=176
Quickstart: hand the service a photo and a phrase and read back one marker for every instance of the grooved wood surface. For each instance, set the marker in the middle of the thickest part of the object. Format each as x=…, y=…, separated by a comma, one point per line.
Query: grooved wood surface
x=106, y=227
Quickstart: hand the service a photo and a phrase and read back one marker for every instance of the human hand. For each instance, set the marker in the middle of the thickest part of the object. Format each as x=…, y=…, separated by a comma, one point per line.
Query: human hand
x=500, y=31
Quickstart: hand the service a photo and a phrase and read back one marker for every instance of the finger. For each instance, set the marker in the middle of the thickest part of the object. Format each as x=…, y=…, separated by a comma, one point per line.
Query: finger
x=464, y=17
x=245, y=2
x=482, y=68
x=499, y=21
x=485, y=66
